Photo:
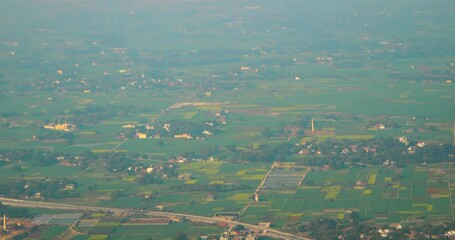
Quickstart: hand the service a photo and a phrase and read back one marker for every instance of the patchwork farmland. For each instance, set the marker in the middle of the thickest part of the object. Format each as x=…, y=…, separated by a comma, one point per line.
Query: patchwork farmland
x=286, y=113
x=381, y=195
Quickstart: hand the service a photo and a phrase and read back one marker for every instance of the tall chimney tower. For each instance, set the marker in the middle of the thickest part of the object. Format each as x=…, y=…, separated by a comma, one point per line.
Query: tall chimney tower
x=312, y=124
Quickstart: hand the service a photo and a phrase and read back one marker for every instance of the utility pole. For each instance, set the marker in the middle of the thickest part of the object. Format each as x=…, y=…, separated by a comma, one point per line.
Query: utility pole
x=312, y=124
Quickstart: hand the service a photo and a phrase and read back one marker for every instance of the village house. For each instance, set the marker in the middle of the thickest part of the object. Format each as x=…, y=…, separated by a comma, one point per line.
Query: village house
x=244, y=68
x=69, y=187
x=264, y=224
x=184, y=176
x=178, y=159
x=395, y=225
x=179, y=219
x=388, y=163
x=384, y=232
x=421, y=144
x=185, y=135
x=360, y=184
x=403, y=140
x=210, y=197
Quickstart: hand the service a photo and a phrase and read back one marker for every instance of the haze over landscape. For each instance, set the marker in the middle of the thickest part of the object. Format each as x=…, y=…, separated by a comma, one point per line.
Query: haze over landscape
x=200, y=119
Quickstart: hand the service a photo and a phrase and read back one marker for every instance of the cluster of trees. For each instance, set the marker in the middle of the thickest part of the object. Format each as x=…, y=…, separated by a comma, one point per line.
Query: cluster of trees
x=148, y=179
x=36, y=158
x=95, y=114
x=13, y=212
x=92, y=114
x=262, y=153
x=267, y=153
x=351, y=228
x=48, y=188
x=335, y=153
x=284, y=130
x=386, y=124
x=176, y=127
x=47, y=158
x=68, y=137
x=378, y=150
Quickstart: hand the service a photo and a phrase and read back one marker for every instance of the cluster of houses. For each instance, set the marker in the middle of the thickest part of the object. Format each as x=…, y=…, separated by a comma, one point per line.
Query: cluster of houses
x=244, y=234
x=411, y=149
x=313, y=150
x=323, y=59
x=176, y=129
x=387, y=232
x=66, y=127
x=238, y=235
x=162, y=169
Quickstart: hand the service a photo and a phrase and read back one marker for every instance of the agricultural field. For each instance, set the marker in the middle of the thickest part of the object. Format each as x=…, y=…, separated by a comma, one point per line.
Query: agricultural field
x=349, y=120
x=381, y=195
x=210, y=189
x=139, y=227
x=260, y=88
x=200, y=107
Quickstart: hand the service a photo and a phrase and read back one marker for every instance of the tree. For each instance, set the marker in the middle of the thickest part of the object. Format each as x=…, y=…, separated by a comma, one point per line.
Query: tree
x=117, y=194
x=238, y=228
x=2, y=209
x=147, y=179
x=231, y=147
x=17, y=168
x=353, y=216
x=267, y=132
x=180, y=236
x=302, y=228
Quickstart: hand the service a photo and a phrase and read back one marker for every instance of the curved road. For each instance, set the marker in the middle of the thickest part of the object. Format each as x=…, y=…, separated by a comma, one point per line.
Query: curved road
x=195, y=218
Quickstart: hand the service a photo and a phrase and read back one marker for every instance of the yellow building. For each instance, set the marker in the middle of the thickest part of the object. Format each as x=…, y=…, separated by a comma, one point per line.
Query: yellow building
x=185, y=135
x=49, y=127
x=61, y=127
x=141, y=135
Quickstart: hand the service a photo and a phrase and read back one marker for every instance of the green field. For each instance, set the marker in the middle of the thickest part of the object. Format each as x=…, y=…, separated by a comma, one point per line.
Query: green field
x=225, y=86
x=396, y=195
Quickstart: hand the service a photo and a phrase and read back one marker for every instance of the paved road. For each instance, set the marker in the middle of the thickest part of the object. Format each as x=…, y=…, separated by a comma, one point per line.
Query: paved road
x=120, y=144
x=275, y=164
x=209, y=220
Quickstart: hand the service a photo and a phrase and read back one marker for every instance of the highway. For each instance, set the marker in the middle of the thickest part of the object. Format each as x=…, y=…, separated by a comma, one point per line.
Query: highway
x=195, y=218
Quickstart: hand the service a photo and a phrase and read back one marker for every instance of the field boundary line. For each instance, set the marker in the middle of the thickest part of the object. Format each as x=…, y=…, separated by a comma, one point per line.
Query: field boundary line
x=259, y=187
x=120, y=144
